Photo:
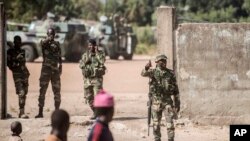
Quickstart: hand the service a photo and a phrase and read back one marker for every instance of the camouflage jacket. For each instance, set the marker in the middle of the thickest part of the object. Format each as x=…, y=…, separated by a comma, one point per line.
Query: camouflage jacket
x=51, y=52
x=162, y=85
x=16, y=60
x=92, y=65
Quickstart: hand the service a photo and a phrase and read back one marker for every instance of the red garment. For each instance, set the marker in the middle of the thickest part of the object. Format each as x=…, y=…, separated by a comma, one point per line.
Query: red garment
x=100, y=132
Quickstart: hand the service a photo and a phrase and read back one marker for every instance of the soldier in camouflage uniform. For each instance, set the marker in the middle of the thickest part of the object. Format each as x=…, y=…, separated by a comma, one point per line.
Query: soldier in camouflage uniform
x=164, y=94
x=16, y=63
x=93, y=69
x=51, y=70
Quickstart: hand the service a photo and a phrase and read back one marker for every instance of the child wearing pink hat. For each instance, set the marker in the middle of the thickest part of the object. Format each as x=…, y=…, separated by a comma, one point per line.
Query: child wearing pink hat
x=104, y=109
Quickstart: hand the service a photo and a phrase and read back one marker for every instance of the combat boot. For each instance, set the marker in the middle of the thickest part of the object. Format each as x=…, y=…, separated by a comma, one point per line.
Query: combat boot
x=22, y=114
x=40, y=114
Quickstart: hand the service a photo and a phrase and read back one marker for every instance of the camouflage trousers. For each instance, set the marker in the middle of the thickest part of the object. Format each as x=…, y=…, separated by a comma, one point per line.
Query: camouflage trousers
x=21, y=81
x=48, y=74
x=91, y=88
x=157, y=110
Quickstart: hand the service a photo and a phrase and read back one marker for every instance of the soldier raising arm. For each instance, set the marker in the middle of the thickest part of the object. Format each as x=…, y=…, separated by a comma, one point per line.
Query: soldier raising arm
x=93, y=69
x=165, y=95
x=51, y=70
x=55, y=48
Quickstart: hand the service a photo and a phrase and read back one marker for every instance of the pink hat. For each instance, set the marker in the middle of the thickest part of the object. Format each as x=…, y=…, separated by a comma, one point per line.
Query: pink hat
x=103, y=99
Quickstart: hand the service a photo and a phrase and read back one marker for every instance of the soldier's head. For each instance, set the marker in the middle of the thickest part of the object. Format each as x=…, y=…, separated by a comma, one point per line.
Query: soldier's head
x=116, y=18
x=92, y=45
x=161, y=61
x=104, y=105
x=17, y=41
x=51, y=33
x=16, y=127
x=60, y=122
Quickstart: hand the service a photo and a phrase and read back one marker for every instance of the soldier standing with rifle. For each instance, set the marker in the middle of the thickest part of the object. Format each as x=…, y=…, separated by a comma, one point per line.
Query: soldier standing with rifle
x=16, y=63
x=51, y=70
x=164, y=94
x=93, y=69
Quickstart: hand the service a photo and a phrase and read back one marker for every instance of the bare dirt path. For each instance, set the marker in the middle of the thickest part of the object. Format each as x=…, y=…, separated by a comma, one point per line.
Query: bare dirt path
x=123, y=80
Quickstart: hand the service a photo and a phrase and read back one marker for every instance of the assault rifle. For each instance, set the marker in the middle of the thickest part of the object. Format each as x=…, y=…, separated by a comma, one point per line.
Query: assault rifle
x=149, y=104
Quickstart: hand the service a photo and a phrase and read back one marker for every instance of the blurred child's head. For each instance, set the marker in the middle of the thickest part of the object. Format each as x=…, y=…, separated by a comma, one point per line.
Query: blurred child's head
x=16, y=127
x=104, y=105
x=60, y=121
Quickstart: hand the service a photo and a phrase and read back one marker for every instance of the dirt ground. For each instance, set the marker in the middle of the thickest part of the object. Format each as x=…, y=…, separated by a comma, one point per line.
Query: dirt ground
x=123, y=80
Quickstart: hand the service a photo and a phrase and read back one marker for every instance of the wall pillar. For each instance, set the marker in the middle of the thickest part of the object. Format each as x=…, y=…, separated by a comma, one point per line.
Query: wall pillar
x=165, y=34
x=3, y=100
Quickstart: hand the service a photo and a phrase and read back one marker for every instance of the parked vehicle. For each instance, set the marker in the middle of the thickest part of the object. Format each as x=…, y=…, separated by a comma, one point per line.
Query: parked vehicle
x=115, y=45
x=72, y=37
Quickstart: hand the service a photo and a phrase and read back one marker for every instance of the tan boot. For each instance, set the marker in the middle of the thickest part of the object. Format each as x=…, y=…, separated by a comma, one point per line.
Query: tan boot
x=22, y=114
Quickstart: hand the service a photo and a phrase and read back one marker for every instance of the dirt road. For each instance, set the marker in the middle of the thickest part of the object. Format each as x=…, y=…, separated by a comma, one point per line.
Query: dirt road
x=123, y=80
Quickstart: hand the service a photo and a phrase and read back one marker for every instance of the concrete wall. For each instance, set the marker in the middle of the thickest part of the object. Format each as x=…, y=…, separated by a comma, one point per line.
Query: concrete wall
x=213, y=65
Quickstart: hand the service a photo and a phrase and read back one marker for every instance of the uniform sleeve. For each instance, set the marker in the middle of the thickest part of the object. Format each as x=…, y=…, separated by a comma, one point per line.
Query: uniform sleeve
x=8, y=59
x=83, y=61
x=175, y=90
x=147, y=73
x=42, y=43
x=60, y=53
x=43, y=46
x=22, y=59
x=101, y=57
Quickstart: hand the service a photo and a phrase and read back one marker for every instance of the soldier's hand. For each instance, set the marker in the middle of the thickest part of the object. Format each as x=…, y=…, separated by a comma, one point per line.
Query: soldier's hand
x=148, y=65
x=46, y=40
x=50, y=38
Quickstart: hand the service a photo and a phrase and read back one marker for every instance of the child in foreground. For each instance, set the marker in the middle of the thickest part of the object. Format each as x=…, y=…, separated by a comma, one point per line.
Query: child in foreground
x=104, y=109
x=60, y=121
x=16, y=128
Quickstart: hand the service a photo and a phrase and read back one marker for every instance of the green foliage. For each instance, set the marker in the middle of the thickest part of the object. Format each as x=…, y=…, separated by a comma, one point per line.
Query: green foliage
x=214, y=10
x=222, y=15
x=26, y=10
x=138, y=12
x=146, y=40
x=145, y=35
x=145, y=49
